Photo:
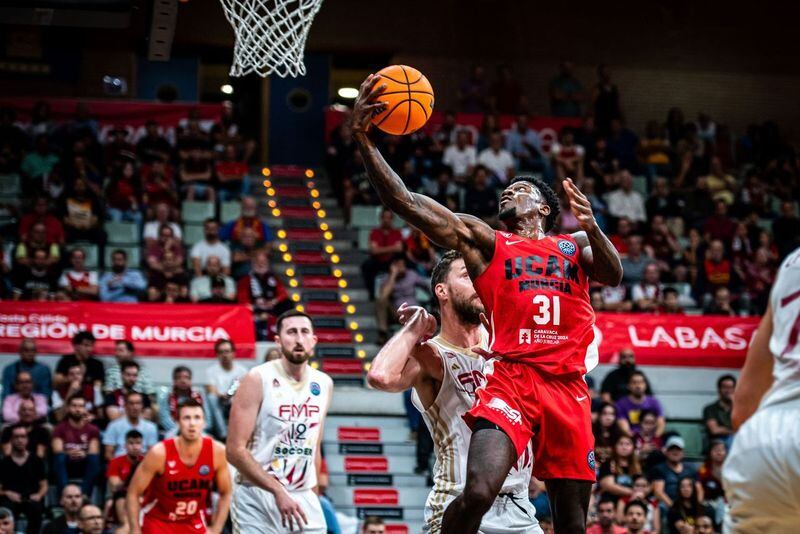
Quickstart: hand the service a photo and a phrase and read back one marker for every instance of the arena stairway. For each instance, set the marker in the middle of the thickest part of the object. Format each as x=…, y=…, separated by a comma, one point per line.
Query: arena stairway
x=318, y=258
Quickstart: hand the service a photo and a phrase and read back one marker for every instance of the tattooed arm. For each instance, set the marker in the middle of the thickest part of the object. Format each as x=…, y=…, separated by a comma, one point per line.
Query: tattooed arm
x=598, y=256
x=465, y=233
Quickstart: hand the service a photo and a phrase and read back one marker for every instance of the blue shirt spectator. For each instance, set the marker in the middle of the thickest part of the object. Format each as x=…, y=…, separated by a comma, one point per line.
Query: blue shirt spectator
x=114, y=435
x=667, y=476
x=523, y=142
x=121, y=284
x=27, y=362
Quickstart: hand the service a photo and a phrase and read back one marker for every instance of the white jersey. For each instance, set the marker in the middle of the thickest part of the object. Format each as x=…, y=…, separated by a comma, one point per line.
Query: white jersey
x=287, y=431
x=462, y=375
x=785, y=341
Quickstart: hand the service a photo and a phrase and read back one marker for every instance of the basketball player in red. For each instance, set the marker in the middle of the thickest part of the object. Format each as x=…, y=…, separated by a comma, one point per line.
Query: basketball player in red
x=534, y=288
x=175, y=480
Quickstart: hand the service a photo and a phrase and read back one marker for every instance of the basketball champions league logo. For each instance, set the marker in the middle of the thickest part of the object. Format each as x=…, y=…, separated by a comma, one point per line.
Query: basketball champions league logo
x=567, y=247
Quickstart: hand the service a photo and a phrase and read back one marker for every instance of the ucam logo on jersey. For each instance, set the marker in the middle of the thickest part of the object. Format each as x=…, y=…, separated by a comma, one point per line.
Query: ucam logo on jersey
x=510, y=413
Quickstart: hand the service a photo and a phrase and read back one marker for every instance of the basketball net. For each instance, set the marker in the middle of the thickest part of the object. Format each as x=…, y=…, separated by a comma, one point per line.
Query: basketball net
x=270, y=35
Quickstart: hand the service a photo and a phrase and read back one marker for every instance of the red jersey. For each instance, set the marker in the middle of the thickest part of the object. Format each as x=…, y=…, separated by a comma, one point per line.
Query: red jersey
x=121, y=467
x=182, y=493
x=536, y=296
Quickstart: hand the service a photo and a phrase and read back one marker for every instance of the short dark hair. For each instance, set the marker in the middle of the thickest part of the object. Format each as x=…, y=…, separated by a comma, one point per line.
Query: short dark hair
x=636, y=502
x=372, y=520
x=127, y=364
x=189, y=403
x=292, y=313
x=82, y=336
x=725, y=377
x=637, y=373
x=550, y=197
x=132, y=394
x=607, y=498
x=441, y=269
x=221, y=342
x=133, y=434
x=120, y=251
x=670, y=291
x=15, y=426
x=128, y=344
x=75, y=396
x=180, y=369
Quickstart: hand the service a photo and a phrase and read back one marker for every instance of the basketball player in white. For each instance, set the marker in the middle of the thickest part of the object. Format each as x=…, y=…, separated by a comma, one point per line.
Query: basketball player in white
x=276, y=421
x=762, y=473
x=444, y=372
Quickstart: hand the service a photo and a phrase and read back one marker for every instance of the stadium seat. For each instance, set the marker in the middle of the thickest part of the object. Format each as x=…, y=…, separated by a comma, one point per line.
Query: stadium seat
x=192, y=233
x=197, y=211
x=765, y=224
x=229, y=211
x=10, y=184
x=364, y=217
x=92, y=252
x=640, y=185
x=363, y=238
x=122, y=233
x=134, y=255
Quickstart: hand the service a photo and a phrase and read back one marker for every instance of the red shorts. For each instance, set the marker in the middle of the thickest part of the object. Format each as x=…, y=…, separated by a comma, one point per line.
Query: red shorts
x=157, y=526
x=553, y=411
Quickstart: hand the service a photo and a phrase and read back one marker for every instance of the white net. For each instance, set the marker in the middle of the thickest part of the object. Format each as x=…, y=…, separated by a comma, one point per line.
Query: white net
x=270, y=35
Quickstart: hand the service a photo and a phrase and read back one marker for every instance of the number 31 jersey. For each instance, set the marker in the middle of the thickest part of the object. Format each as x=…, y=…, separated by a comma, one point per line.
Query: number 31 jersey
x=536, y=296
x=287, y=431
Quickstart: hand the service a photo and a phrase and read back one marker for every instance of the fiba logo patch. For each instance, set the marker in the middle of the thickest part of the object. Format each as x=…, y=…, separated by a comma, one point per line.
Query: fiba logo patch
x=204, y=470
x=315, y=389
x=567, y=247
x=590, y=460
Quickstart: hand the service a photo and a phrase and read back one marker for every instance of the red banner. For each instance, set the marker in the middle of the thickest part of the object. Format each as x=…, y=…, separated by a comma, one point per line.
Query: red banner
x=179, y=330
x=677, y=340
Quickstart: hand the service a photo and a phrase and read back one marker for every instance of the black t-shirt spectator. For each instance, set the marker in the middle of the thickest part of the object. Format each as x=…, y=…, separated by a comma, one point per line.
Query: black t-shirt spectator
x=616, y=383
x=30, y=282
x=23, y=479
x=719, y=413
x=37, y=435
x=94, y=367
x=481, y=203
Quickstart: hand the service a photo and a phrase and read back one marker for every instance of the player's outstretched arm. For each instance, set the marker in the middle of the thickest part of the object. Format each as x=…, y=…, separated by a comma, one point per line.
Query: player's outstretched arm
x=402, y=359
x=756, y=377
x=442, y=226
x=599, y=258
x=224, y=488
x=244, y=411
x=147, y=469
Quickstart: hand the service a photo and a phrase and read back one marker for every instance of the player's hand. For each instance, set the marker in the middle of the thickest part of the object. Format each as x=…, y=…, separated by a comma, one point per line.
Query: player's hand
x=367, y=104
x=291, y=511
x=580, y=206
x=418, y=319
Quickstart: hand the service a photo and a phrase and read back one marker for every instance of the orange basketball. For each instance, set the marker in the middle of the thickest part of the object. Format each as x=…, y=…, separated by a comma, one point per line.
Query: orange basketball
x=409, y=99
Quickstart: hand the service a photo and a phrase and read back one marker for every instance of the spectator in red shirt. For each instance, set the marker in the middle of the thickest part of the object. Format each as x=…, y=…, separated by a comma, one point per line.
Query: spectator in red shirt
x=759, y=274
x=167, y=243
x=606, y=516
x=78, y=282
x=196, y=175
x=717, y=269
x=384, y=242
x=263, y=289
x=122, y=196
x=671, y=304
x=231, y=174
x=720, y=225
x=158, y=186
x=119, y=473
x=54, y=230
x=76, y=447
x=620, y=238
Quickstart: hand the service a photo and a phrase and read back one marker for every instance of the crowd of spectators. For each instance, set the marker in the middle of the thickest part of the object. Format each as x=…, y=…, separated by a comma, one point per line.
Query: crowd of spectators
x=701, y=216
x=74, y=177
x=84, y=428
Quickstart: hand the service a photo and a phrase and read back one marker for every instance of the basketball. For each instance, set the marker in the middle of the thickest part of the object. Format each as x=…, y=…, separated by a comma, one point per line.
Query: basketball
x=409, y=99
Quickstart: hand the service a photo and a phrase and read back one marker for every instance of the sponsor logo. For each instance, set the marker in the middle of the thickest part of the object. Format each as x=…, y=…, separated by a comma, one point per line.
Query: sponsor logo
x=292, y=411
x=471, y=381
x=580, y=398
x=315, y=389
x=281, y=451
x=567, y=247
x=514, y=242
x=455, y=367
x=275, y=383
x=590, y=460
x=507, y=234
x=204, y=470
x=171, y=463
x=173, y=471
x=525, y=336
x=510, y=413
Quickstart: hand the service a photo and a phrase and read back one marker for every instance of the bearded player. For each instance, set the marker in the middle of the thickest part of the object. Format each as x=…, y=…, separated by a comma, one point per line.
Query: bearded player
x=275, y=429
x=535, y=291
x=761, y=475
x=176, y=478
x=445, y=371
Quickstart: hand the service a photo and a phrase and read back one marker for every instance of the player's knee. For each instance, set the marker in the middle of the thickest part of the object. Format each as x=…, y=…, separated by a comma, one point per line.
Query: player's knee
x=572, y=524
x=478, y=497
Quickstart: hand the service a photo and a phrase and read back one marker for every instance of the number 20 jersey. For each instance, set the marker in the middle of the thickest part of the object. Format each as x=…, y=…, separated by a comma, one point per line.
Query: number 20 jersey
x=287, y=431
x=536, y=296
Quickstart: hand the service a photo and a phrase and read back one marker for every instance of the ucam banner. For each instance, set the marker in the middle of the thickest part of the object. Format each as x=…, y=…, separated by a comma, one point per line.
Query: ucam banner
x=676, y=340
x=174, y=330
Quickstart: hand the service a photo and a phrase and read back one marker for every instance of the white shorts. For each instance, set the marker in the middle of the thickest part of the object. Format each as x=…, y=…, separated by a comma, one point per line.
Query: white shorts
x=254, y=511
x=761, y=475
x=508, y=515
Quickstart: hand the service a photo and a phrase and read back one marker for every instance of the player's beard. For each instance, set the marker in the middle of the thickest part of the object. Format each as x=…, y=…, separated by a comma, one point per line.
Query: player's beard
x=467, y=311
x=294, y=357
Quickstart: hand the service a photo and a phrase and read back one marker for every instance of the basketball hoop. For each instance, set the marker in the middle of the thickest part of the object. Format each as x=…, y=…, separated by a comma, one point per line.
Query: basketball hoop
x=270, y=35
